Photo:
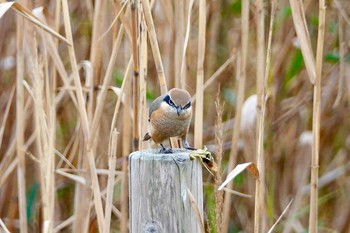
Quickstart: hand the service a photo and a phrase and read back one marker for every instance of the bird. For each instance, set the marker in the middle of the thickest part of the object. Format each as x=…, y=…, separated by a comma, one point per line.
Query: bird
x=170, y=116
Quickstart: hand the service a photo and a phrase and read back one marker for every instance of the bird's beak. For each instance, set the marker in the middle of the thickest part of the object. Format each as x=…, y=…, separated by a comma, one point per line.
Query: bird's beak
x=178, y=110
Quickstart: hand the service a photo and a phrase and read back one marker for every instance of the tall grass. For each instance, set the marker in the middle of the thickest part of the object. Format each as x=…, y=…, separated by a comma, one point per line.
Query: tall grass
x=74, y=73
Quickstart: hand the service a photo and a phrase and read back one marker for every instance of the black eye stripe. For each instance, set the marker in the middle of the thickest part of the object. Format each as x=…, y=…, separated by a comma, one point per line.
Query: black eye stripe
x=169, y=101
x=187, y=105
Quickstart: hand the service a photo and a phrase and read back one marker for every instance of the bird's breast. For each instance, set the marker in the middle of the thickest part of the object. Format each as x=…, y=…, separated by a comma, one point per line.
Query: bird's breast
x=169, y=124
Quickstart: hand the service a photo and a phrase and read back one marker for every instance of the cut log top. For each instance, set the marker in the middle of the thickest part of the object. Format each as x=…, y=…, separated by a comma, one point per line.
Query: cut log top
x=158, y=185
x=178, y=154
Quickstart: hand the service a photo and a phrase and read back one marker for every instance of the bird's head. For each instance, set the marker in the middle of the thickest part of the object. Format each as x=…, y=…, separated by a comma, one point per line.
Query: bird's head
x=178, y=101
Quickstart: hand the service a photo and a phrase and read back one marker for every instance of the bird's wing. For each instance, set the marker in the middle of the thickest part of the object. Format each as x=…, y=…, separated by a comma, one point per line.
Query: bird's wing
x=155, y=105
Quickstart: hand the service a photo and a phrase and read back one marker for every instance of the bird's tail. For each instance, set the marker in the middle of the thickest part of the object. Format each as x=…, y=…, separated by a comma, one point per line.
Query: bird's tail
x=146, y=137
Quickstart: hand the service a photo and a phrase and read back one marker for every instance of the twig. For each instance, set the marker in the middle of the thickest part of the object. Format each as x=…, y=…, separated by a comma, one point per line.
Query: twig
x=316, y=118
x=84, y=118
x=3, y=226
x=198, y=124
x=241, y=78
x=20, y=128
x=154, y=46
x=135, y=25
x=110, y=183
x=259, y=211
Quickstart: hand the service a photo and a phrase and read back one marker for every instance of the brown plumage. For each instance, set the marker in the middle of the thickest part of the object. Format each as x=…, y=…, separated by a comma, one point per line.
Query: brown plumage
x=170, y=116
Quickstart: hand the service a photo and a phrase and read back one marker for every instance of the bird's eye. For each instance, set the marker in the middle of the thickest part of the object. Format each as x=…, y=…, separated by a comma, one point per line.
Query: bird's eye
x=187, y=105
x=171, y=103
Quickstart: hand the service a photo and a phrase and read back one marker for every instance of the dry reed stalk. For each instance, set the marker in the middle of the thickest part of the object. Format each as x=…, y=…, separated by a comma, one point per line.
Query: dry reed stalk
x=135, y=25
x=235, y=136
x=120, y=12
x=213, y=35
x=23, y=11
x=241, y=78
x=76, y=178
x=83, y=193
x=51, y=122
x=260, y=24
x=7, y=172
x=316, y=120
x=57, y=20
x=143, y=80
x=154, y=46
x=342, y=49
x=198, y=124
x=216, y=74
x=237, y=193
x=3, y=226
x=261, y=109
x=342, y=11
x=75, y=72
x=280, y=217
x=64, y=224
x=9, y=163
x=110, y=184
x=117, y=106
x=71, y=147
x=44, y=126
x=8, y=157
x=51, y=114
x=84, y=118
x=56, y=28
x=88, y=88
x=260, y=53
x=183, y=59
x=6, y=113
x=219, y=141
x=123, y=19
x=304, y=37
x=77, y=170
x=20, y=127
x=59, y=65
x=95, y=47
x=194, y=206
x=106, y=81
x=126, y=142
x=73, y=218
x=167, y=5
x=179, y=31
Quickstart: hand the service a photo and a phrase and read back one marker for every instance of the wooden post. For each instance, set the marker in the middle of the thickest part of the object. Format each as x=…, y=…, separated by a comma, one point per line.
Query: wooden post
x=159, y=201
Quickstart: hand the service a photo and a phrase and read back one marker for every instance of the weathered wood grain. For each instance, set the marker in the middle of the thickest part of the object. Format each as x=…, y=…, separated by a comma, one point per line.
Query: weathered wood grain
x=159, y=202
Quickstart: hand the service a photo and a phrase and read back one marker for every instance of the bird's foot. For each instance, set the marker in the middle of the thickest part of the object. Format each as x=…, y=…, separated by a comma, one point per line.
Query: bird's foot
x=189, y=148
x=166, y=151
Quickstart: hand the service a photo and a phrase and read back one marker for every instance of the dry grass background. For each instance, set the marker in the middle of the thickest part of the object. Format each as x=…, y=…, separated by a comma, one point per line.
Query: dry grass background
x=69, y=117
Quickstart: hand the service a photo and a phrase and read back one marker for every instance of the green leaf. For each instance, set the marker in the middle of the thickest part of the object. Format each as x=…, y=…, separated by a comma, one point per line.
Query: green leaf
x=117, y=78
x=286, y=12
x=236, y=7
x=31, y=197
x=335, y=57
x=295, y=66
x=210, y=203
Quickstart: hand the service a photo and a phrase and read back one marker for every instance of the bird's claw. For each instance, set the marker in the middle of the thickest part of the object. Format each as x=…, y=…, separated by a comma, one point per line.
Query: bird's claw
x=189, y=148
x=166, y=151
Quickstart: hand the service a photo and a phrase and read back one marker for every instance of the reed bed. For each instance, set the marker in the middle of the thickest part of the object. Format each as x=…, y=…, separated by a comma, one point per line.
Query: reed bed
x=77, y=77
